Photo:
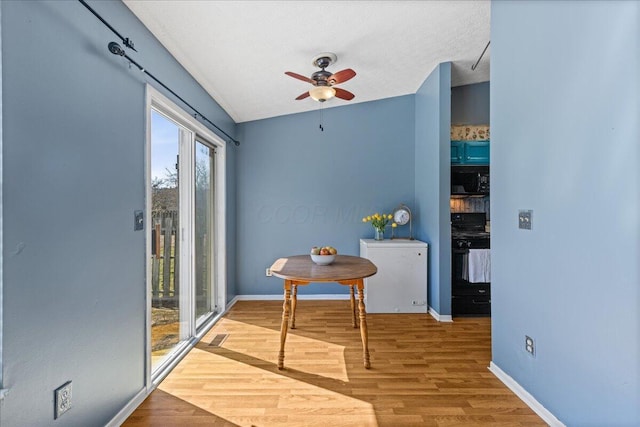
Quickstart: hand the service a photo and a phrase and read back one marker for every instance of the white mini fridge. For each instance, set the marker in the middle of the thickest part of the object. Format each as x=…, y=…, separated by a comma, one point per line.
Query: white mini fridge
x=400, y=286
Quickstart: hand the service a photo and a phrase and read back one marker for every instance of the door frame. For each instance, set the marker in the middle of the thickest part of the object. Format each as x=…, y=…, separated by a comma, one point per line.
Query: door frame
x=156, y=100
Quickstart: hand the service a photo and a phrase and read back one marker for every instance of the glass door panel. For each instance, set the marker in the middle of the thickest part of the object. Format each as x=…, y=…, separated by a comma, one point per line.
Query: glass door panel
x=167, y=325
x=204, y=232
x=185, y=232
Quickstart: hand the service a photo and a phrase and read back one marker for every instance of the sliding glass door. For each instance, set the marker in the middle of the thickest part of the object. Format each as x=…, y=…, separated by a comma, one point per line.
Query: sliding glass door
x=168, y=328
x=183, y=255
x=204, y=231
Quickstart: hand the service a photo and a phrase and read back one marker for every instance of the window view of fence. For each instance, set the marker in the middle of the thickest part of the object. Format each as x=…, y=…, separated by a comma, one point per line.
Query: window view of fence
x=165, y=285
x=180, y=162
x=164, y=270
x=164, y=222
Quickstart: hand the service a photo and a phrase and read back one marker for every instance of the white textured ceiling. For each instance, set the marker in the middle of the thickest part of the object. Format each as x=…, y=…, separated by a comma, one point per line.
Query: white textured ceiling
x=239, y=50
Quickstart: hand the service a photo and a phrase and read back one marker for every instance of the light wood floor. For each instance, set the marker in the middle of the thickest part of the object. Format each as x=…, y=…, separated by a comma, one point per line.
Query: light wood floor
x=423, y=373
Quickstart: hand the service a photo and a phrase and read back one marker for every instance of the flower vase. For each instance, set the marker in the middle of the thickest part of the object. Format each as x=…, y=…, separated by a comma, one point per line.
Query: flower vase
x=379, y=233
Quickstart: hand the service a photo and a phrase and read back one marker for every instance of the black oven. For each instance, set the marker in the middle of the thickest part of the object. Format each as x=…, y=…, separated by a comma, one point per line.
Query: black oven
x=469, y=180
x=470, y=265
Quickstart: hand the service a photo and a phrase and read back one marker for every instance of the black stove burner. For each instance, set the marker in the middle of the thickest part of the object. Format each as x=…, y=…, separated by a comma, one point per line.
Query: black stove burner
x=468, y=226
x=466, y=234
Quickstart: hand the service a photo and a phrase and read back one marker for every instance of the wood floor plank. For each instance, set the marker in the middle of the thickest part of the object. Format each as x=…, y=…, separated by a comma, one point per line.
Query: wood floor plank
x=423, y=373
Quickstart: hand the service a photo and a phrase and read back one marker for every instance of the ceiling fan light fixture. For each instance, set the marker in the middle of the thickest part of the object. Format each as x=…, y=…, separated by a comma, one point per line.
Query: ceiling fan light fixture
x=322, y=93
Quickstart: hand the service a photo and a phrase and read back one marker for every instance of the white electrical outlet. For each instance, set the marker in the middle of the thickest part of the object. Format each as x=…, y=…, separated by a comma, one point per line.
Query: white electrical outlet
x=268, y=272
x=529, y=345
x=62, y=399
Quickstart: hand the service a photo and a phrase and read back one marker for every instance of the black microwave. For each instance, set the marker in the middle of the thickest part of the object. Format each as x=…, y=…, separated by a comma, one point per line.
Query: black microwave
x=469, y=180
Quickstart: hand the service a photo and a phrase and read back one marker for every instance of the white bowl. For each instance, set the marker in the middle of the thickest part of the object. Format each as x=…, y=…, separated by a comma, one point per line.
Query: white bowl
x=323, y=259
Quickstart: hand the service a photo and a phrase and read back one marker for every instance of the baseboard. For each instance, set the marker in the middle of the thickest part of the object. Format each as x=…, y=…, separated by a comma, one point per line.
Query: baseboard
x=133, y=404
x=128, y=409
x=440, y=317
x=300, y=297
x=525, y=396
x=231, y=303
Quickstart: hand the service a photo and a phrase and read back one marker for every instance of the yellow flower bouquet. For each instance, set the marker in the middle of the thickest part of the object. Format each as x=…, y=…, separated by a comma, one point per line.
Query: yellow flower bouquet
x=379, y=222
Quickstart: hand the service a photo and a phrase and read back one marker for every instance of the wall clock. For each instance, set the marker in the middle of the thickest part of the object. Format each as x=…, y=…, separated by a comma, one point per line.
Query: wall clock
x=402, y=216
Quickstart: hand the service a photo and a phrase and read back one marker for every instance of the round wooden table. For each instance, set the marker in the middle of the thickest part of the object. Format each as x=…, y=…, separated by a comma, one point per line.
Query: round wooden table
x=300, y=270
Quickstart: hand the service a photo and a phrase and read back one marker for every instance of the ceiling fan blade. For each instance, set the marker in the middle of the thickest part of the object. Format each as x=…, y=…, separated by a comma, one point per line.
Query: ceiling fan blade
x=303, y=96
x=344, y=94
x=341, y=76
x=299, y=77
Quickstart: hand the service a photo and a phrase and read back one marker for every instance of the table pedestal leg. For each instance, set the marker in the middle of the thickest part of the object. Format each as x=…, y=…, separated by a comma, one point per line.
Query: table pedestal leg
x=363, y=325
x=294, y=302
x=353, y=306
x=285, y=322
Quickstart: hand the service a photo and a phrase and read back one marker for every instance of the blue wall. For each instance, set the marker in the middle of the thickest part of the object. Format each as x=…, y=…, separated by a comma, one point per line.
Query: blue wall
x=73, y=173
x=470, y=104
x=564, y=144
x=299, y=187
x=432, y=181
x=565, y=100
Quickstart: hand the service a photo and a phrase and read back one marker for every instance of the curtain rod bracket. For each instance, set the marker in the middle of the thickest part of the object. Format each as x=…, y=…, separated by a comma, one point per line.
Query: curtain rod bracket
x=129, y=43
x=125, y=40
x=119, y=51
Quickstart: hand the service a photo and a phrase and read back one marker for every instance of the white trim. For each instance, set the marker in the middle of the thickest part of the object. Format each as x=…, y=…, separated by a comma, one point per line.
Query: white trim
x=186, y=233
x=176, y=357
x=525, y=396
x=147, y=239
x=220, y=217
x=133, y=404
x=233, y=301
x=3, y=392
x=185, y=349
x=128, y=409
x=207, y=326
x=440, y=317
x=279, y=297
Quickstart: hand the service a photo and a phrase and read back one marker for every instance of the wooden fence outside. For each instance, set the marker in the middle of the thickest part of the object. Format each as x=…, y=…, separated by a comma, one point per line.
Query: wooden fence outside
x=165, y=284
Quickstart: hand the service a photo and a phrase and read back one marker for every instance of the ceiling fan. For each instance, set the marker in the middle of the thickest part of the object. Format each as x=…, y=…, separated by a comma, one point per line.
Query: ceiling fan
x=324, y=81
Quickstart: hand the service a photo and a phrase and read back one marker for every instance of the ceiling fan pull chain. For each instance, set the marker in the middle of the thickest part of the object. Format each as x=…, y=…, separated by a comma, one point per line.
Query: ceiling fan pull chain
x=321, y=128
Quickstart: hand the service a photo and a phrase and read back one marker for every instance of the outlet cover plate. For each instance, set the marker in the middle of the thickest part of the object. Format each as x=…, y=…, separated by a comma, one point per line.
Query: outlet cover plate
x=62, y=399
x=529, y=345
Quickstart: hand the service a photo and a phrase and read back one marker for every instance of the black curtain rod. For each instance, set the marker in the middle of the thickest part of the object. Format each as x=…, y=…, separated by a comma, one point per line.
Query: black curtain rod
x=117, y=50
x=474, y=66
x=126, y=41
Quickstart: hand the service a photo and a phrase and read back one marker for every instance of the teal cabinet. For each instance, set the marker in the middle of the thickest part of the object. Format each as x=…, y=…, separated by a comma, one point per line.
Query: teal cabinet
x=476, y=153
x=470, y=152
x=457, y=151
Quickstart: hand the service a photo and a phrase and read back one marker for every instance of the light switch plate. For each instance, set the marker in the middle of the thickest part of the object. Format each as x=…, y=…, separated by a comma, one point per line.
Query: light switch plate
x=525, y=219
x=138, y=220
